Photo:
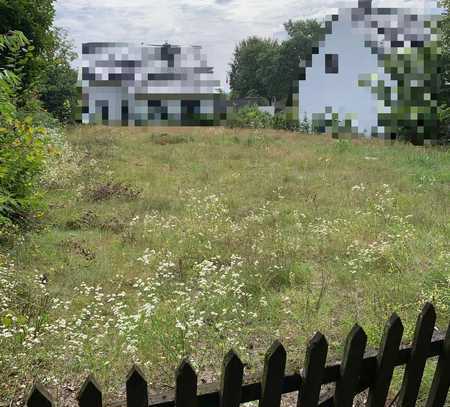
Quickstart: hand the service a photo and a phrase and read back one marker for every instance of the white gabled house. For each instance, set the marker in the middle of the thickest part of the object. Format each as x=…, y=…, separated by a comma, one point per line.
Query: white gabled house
x=375, y=73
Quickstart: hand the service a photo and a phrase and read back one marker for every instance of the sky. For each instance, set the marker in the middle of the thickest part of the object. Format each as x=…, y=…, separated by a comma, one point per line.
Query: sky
x=216, y=25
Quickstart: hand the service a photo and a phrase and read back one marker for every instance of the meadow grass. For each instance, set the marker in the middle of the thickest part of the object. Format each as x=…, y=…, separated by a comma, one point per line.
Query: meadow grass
x=164, y=242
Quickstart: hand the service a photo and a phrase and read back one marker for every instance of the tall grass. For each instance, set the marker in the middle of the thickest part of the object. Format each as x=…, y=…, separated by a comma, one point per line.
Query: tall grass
x=204, y=239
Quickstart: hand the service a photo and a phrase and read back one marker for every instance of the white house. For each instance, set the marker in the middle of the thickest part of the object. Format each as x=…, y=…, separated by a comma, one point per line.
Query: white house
x=374, y=73
x=138, y=84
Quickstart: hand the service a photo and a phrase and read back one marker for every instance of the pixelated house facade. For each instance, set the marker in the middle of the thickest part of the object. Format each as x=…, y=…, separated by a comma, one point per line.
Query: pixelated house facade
x=375, y=73
x=126, y=84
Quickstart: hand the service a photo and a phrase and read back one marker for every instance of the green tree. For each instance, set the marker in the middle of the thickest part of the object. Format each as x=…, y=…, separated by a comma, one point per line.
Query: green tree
x=303, y=36
x=266, y=68
x=254, y=68
x=34, y=19
x=58, y=90
x=47, y=79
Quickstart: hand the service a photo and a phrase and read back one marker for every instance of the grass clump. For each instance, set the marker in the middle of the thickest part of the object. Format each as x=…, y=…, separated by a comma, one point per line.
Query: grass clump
x=164, y=139
x=109, y=190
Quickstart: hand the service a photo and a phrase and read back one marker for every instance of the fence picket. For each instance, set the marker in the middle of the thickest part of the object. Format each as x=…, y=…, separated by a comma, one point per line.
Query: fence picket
x=316, y=356
x=387, y=354
x=186, y=385
x=137, y=389
x=39, y=396
x=441, y=381
x=414, y=368
x=90, y=394
x=273, y=375
x=350, y=367
x=231, y=380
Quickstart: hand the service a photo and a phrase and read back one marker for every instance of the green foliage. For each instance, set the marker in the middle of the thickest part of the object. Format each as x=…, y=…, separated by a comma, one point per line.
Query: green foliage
x=23, y=145
x=303, y=35
x=58, y=91
x=254, y=68
x=444, y=121
x=11, y=44
x=34, y=20
x=22, y=158
x=46, y=75
x=249, y=117
x=445, y=57
x=284, y=121
x=413, y=111
x=252, y=117
x=263, y=67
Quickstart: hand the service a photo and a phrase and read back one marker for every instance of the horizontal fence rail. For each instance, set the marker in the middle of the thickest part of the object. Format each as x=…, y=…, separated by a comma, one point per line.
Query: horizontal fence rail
x=357, y=372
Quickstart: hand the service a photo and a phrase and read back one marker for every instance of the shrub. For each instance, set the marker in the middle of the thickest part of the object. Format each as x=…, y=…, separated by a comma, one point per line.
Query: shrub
x=22, y=158
x=249, y=117
x=252, y=117
x=24, y=146
x=284, y=121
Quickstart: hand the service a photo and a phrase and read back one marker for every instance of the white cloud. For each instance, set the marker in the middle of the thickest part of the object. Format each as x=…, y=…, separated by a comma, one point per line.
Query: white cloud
x=217, y=25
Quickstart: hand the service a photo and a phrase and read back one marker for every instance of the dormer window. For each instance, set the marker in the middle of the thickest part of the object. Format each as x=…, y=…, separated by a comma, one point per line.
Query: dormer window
x=331, y=63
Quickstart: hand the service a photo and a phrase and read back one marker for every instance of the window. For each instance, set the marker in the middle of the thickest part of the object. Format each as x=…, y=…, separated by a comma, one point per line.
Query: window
x=331, y=63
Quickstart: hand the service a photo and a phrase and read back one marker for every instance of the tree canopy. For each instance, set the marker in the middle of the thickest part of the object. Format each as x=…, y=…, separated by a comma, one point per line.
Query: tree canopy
x=253, y=70
x=47, y=78
x=267, y=68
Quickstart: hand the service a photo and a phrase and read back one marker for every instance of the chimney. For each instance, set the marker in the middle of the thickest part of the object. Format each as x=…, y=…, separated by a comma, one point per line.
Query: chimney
x=366, y=5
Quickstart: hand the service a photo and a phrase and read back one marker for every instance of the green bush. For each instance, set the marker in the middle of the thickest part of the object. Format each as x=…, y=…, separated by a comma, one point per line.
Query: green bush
x=284, y=121
x=249, y=117
x=22, y=159
x=252, y=117
x=281, y=121
x=24, y=146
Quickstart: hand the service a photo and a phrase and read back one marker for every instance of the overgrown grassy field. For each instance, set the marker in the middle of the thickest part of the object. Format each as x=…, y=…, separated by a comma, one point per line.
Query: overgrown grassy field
x=161, y=243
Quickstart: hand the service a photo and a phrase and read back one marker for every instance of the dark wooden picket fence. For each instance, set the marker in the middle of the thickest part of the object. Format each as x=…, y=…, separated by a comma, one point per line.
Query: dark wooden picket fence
x=358, y=371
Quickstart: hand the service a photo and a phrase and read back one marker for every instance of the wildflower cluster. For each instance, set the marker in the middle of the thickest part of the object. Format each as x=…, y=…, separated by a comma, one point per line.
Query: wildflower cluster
x=393, y=238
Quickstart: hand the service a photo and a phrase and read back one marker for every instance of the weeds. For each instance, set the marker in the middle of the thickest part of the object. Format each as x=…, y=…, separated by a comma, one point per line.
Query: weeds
x=285, y=236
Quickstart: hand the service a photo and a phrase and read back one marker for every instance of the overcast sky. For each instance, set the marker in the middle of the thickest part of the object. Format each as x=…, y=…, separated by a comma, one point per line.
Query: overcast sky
x=216, y=25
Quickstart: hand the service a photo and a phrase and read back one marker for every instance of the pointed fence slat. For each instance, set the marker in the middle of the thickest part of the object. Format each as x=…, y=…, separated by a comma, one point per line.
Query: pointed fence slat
x=441, y=381
x=273, y=376
x=316, y=356
x=39, y=397
x=231, y=380
x=386, y=357
x=137, y=389
x=186, y=386
x=350, y=369
x=414, y=368
x=90, y=394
